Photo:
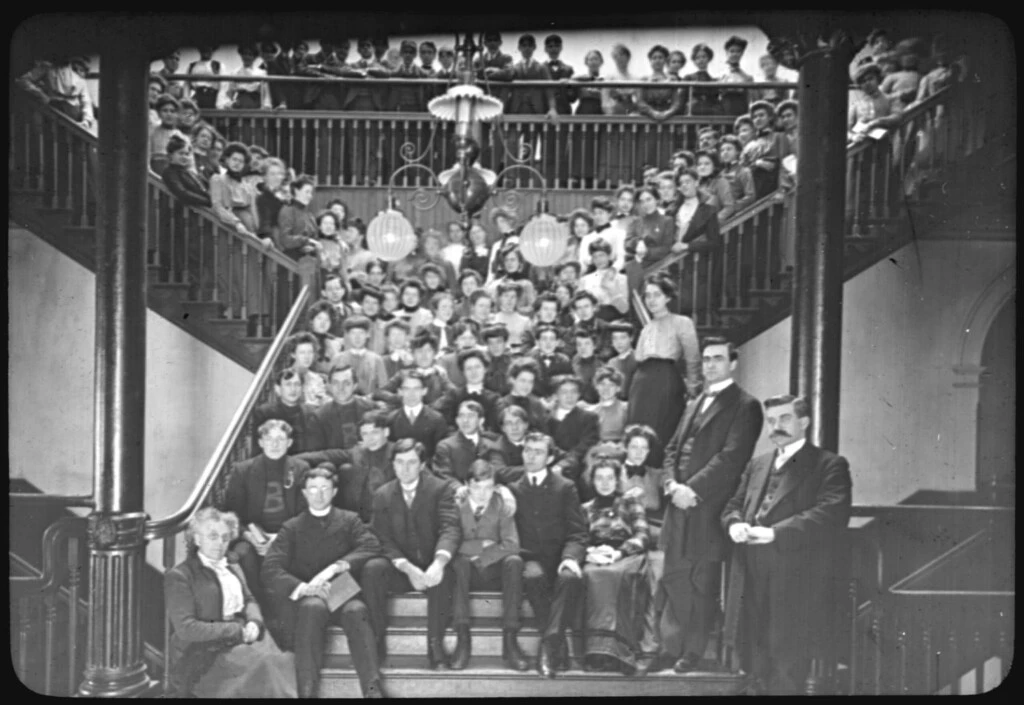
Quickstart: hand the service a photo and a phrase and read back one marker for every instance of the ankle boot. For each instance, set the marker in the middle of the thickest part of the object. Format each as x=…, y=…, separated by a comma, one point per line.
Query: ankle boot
x=463, y=649
x=437, y=657
x=511, y=653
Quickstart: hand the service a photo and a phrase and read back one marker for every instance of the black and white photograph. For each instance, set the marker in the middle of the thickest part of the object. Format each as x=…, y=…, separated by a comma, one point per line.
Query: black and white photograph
x=438, y=353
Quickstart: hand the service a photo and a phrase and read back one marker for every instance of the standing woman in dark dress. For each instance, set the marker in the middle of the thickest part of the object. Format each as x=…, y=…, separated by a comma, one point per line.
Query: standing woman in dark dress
x=703, y=101
x=669, y=364
x=586, y=153
x=659, y=104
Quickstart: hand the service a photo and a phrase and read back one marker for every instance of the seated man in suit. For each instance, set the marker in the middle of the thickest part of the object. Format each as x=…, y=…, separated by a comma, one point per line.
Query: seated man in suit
x=311, y=550
x=488, y=560
x=465, y=335
x=552, y=539
x=473, y=365
x=336, y=423
x=786, y=520
x=264, y=493
x=415, y=518
x=574, y=429
x=499, y=360
x=550, y=362
x=523, y=375
x=361, y=469
x=287, y=406
x=415, y=420
x=398, y=357
x=456, y=453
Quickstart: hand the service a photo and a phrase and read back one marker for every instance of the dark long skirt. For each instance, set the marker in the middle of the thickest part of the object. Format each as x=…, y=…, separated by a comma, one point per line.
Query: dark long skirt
x=618, y=600
x=256, y=670
x=657, y=397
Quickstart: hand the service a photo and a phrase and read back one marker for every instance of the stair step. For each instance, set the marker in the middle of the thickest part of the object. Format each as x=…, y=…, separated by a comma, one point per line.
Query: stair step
x=411, y=642
x=233, y=327
x=482, y=605
x=489, y=682
x=203, y=310
x=78, y=232
x=770, y=297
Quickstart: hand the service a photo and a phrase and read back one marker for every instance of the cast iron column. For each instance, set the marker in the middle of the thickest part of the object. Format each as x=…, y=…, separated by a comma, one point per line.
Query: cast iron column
x=818, y=277
x=114, y=665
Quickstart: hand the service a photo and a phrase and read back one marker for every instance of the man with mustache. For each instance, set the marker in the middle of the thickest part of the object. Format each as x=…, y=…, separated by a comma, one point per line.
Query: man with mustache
x=786, y=519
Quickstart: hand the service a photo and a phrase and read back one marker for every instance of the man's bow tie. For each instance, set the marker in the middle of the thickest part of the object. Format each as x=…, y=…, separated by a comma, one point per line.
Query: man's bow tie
x=635, y=470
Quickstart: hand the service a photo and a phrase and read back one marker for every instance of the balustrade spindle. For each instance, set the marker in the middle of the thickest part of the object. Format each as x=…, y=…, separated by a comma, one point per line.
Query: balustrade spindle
x=953, y=663
x=853, y=660
x=229, y=282
x=74, y=578
x=1005, y=655
x=979, y=659
x=634, y=162
x=901, y=649
x=857, y=194
x=49, y=638
x=24, y=627
x=173, y=233
x=876, y=638
x=930, y=684
x=244, y=305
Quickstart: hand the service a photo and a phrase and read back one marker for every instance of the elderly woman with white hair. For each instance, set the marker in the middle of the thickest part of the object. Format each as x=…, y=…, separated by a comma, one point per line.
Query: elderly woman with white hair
x=219, y=647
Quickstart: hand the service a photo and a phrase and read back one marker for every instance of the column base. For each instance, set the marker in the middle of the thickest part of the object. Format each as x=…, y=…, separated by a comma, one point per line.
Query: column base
x=122, y=683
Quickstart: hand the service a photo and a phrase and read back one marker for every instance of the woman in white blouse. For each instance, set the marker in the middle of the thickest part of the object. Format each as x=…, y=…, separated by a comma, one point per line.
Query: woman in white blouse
x=605, y=283
x=220, y=647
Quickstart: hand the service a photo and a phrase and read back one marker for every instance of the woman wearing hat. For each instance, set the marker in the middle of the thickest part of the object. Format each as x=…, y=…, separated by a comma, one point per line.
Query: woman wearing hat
x=871, y=108
x=504, y=221
x=659, y=104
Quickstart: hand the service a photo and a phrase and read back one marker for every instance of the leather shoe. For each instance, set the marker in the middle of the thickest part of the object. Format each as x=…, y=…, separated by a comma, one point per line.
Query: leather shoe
x=644, y=665
x=463, y=649
x=546, y=661
x=437, y=657
x=687, y=663
x=562, y=662
x=511, y=653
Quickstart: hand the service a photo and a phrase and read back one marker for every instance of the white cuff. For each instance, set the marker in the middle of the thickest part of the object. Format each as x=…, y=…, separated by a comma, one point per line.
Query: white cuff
x=297, y=591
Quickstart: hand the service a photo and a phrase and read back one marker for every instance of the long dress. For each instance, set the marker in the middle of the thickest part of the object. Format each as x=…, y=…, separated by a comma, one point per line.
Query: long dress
x=620, y=605
x=241, y=271
x=206, y=659
x=666, y=350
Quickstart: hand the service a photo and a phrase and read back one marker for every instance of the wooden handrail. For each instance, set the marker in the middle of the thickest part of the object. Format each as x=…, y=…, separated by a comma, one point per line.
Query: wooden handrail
x=170, y=525
x=61, y=500
x=53, y=569
x=156, y=182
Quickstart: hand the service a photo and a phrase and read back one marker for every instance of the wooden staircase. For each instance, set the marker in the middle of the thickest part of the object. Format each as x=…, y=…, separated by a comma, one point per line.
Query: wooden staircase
x=405, y=674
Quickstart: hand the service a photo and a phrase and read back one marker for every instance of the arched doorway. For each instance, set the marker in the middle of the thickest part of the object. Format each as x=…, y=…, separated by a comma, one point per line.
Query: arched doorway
x=997, y=407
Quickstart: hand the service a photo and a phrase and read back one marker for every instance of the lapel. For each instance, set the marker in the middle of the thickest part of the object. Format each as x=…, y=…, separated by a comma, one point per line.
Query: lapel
x=417, y=501
x=691, y=413
x=700, y=218
x=793, y=475
x=724, y=399
x=756, y=487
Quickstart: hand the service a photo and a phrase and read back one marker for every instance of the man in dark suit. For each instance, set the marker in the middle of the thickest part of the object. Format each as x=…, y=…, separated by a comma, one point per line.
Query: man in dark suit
x=424, y=355
x=620, y=334
x=362, y=469
x=703, y=463
x=456, y=453
x=473, y=365
x=514, y=426
x=786, y=518
x=550, y=362
x=415, y=420
x=311, y=550
x=488, y=559
x=552, y=540
x=499, y=360
x=287, y=406
x=584, y=305
x=415, y=518
x=264, y=493
x=574, y=429
x=701, y=235
x=336, y=423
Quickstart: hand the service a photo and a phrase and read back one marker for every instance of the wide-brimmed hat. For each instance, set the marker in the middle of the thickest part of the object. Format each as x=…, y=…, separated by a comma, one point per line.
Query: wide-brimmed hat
x=758, y=104
x=503, y=212
x=866, y=68
x=786, y=104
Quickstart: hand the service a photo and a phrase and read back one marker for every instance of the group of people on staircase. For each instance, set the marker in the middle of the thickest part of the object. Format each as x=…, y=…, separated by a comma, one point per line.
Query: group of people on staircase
x=617, y=543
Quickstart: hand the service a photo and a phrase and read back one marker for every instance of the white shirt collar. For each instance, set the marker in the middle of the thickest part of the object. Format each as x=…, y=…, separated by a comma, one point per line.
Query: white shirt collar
x=540, y=476
x=320, y=513
x=610, y=402
x=221, y=564
x=719, y=386
x=473, y=506
x=475, y=438
x=561, y=413
x=474, y=389
x=396, y=355
x=789, y=451
x=412, y=487
x=411, y=411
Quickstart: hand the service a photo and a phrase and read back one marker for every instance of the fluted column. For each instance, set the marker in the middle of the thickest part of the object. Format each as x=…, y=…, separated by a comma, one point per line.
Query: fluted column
x=114, y=665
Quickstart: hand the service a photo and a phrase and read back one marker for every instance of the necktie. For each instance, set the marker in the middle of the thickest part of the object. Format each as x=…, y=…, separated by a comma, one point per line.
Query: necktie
x=412, y=417
x=536, y=481
x=409, y=497
x=635, y=470
x=478, y=512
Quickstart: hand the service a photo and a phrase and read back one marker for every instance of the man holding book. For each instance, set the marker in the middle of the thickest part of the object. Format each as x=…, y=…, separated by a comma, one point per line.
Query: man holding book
x=312, y=569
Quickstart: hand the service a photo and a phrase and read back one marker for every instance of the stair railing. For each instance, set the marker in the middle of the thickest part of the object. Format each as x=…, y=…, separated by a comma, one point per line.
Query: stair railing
x=724, y=286
x=54, y=592
x=189, y=247
x=234, y=445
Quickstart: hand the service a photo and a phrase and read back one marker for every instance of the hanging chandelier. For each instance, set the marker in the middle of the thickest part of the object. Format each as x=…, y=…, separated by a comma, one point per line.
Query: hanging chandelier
x=466, y=186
